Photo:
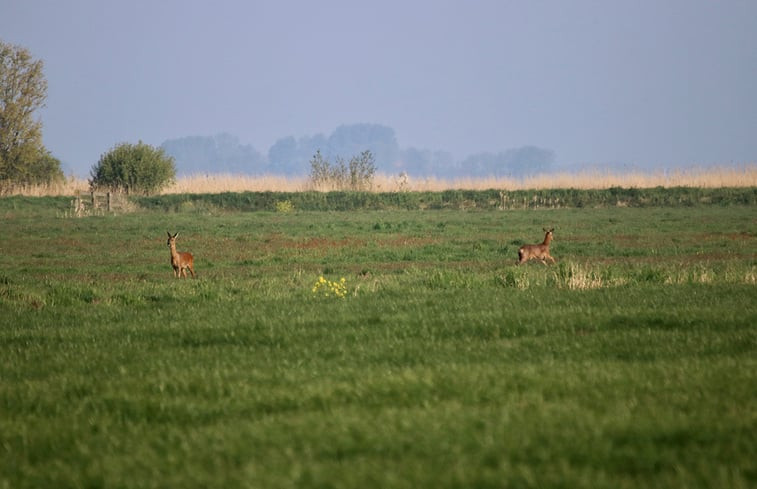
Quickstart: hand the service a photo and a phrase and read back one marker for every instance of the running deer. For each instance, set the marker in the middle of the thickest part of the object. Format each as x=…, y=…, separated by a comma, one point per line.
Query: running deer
x=537, y=251
x=181, y=261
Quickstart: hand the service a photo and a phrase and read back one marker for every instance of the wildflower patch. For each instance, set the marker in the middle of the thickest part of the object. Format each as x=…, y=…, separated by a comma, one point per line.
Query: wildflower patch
x=328, y=288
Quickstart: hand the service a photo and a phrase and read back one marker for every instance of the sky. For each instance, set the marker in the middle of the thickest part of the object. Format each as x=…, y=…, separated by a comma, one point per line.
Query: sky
x=635, y=83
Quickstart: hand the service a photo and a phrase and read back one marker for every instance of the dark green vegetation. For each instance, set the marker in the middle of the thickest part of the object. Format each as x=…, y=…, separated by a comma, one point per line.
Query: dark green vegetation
x=630, y=363
x=455, y=199
x=133, y=169
x=23, y=89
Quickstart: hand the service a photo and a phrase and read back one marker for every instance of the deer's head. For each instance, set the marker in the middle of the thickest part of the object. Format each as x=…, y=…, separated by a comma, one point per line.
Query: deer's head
x=171, y=239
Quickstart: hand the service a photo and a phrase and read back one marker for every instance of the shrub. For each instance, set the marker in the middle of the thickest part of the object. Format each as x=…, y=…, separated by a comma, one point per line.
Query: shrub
x=133, y=168
x=362, y=169
x=356, y=175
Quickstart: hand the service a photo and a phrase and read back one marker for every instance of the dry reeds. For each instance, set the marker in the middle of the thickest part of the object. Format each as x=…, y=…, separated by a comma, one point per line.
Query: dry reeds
x=713, y=177
x=218, y=183
x=68, y=187
x=742, y=176
x=710, y=177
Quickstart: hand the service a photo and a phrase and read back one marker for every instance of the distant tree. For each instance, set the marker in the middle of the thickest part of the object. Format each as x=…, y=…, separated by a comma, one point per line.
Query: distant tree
x=133, y=168
x=23, y=89
x=283, y=155
x=424, y=162
x=222, y=153
x=379, y=139
x=517, y=163
x=236, y=158
x=530, y=160
x=290, y=156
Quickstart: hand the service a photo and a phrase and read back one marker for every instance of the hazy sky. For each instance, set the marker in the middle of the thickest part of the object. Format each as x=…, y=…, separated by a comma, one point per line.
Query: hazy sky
x=633, y=82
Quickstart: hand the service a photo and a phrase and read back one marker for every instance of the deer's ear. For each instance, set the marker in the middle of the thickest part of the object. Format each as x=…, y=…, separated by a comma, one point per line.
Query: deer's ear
x=168, y=233
x=177, y=233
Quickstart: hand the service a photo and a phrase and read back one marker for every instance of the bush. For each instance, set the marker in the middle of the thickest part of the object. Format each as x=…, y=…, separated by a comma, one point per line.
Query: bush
x=362, y=170
x=356, y=175
x=130, y=168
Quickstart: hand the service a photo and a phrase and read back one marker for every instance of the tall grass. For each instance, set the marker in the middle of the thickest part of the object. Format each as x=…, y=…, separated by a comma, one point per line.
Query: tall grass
x=68, y=187
x=710, y=177
x=702, y=177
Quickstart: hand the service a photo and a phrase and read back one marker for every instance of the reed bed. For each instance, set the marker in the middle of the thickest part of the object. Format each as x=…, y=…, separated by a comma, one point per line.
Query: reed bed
x=713, y=177
x=741, y=176
x=223, y=182
x=699, y=177
x=68, y=187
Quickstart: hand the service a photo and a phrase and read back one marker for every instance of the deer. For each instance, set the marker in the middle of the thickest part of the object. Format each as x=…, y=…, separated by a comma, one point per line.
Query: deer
x=181, y=261
x=537, y=251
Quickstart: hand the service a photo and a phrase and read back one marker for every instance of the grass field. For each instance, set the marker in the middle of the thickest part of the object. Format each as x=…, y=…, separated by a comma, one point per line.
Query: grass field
x=436, y=362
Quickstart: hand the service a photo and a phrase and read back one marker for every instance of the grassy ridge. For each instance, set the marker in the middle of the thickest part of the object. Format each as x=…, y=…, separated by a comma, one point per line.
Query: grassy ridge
x=455, y=199
x=440, y=200
x=631, y=363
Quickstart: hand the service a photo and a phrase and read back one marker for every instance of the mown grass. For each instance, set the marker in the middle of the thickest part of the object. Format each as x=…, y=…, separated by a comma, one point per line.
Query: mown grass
x=630, y=363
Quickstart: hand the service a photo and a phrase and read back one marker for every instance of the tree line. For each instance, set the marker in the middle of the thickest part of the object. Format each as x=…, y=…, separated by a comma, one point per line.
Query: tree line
x=290, y=156
x=140, y=168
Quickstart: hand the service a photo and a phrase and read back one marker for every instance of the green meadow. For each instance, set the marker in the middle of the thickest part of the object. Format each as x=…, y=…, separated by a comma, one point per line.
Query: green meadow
x=378, y=348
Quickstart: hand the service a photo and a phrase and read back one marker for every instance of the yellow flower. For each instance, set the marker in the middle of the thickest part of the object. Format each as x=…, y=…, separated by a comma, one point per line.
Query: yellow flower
x=328, y=288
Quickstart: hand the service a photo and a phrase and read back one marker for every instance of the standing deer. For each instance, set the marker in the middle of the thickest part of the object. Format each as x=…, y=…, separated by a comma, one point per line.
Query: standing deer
x=538, y=251
x=181, y=261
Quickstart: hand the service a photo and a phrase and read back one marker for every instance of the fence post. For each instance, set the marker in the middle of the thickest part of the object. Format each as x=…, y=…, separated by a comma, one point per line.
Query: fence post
x=107, y=201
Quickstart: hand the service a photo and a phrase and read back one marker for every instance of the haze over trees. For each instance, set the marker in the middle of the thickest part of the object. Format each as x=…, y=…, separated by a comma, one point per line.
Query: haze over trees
x=23, y=89
x=222, y=153
x=291, y=156
x=517, y=162
x=24, y=160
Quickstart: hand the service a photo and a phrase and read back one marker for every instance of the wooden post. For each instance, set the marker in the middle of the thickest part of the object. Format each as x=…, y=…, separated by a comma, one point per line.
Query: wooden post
x=107, y=201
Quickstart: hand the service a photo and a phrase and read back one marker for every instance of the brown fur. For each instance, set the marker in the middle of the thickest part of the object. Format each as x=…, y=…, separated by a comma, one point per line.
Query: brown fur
x=181, y=261
x=537, y=251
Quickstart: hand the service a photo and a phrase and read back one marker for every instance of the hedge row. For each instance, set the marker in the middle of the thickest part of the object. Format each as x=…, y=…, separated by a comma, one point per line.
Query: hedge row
x=455, y=199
